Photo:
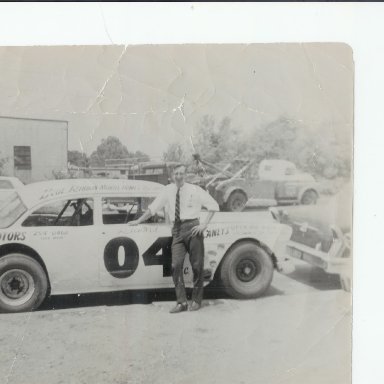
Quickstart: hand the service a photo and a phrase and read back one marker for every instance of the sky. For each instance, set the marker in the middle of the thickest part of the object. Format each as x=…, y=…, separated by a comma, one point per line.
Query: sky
x=153, y=95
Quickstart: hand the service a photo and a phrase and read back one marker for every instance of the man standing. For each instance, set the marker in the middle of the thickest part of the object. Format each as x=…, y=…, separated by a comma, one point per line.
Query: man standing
x=183, y=202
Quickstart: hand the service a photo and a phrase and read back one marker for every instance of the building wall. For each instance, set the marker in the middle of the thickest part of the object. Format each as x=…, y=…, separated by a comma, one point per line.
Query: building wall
x=47, y=139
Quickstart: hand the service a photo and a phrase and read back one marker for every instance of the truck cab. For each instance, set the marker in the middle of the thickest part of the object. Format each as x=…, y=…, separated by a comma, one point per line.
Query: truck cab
x=282, y=170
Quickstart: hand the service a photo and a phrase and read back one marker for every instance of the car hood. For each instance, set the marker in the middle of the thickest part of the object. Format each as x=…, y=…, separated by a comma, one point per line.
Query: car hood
x=322, y=215
x=312, y=225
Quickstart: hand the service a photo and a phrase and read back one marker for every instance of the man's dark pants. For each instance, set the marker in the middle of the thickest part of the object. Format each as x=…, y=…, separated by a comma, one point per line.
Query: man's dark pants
x=184, y=242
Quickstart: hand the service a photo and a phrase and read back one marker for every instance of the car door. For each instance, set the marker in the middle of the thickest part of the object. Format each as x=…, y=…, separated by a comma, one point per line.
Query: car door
x=133, y=257
x=63, y=232
x=287, y=190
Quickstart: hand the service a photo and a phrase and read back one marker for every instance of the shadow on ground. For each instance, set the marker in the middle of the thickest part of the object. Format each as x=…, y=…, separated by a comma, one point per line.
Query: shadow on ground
x=304, y=274
x=315, y=278
x=131, y=297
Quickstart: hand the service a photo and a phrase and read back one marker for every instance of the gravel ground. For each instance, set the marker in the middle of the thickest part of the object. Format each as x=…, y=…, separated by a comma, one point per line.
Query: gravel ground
x=299, y=332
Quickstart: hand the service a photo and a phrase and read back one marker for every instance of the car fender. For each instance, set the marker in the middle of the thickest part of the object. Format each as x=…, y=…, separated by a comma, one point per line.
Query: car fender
x=219, y=238
x=307, y=187
x=232, y=189
x=12, y=247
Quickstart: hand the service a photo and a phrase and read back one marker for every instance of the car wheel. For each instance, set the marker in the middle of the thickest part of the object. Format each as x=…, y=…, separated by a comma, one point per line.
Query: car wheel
x=236, y=202
x=247, y=271
x=309, y=198
x=23, y=283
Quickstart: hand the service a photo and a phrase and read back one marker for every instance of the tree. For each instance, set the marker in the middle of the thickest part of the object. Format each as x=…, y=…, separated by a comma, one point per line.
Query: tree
x=174, y=152
x=275, y=140
x=3, y=160
x=112, y=148
x=140, y=156
x=78, y=158
x=217, y=142
x=319, y=153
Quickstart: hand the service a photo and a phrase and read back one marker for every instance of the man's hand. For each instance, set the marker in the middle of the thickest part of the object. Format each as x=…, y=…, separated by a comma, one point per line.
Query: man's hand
x=144, y=217
x=198, y=229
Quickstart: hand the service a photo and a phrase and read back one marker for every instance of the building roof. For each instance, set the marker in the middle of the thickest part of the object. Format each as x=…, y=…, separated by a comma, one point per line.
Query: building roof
x=34, y=193
x=33, y=118
x=159, y=164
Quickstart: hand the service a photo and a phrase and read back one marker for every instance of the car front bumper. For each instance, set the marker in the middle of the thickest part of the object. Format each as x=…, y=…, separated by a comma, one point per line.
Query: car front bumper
x=333, y=261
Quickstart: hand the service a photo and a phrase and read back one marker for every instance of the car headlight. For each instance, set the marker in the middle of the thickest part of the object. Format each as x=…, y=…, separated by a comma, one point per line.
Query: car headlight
x=282, y=240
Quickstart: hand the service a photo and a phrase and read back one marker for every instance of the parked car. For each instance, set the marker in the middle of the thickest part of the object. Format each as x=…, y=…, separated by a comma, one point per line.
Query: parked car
x=321, y=235
x=70, y=236
x=273, y=182
x=8, y=185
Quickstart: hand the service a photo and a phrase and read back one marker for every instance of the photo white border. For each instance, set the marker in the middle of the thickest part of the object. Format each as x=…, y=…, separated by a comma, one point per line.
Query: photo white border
x=357, y=24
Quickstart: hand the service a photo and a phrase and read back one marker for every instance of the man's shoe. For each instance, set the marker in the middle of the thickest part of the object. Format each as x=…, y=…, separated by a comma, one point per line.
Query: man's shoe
x=194, y=306
x=179, y=308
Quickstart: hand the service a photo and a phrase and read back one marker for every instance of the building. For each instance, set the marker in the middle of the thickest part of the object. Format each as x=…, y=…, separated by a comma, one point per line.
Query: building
x=33, y=149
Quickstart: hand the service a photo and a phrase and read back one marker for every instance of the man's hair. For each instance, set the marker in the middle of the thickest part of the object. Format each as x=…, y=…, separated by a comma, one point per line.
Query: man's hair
x=179, y=166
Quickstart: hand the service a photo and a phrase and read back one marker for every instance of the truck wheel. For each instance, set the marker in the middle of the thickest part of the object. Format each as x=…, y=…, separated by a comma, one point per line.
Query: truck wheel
x=236, y=201
x=309, y=197
x=23, y=283
x=247, y=271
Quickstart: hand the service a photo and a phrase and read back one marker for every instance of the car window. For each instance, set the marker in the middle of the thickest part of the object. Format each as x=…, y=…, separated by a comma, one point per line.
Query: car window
x=11, y=208
x=122, y=210
x=154, y=171
x=6, y=184
x=290, y=171
x=70, y=213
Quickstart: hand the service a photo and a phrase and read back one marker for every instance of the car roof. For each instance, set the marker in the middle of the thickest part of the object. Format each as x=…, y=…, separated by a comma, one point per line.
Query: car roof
x=35, y=193
x=13, y=180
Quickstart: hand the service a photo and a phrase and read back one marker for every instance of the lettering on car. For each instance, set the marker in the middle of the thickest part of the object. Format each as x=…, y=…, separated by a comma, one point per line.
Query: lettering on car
x=12, y=236
x=121, y=256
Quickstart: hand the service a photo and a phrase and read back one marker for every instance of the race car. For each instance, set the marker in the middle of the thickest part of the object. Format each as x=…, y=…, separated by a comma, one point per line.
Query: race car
x=71, y=236
x=8, y=185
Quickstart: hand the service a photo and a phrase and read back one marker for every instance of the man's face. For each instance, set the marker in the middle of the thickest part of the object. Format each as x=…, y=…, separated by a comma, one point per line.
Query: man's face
x=179, y=176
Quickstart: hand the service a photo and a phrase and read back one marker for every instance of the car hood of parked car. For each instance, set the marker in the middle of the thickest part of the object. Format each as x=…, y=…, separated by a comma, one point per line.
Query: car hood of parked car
x=313, y=224
x=336, y=210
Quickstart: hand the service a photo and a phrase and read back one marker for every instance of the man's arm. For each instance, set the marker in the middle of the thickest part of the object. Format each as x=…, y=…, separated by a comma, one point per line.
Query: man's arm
x=211, y=205
x=155, y=206
x=144, y=217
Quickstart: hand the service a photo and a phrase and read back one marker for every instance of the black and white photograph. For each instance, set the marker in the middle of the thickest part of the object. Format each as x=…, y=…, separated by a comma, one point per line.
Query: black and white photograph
x=176, y=213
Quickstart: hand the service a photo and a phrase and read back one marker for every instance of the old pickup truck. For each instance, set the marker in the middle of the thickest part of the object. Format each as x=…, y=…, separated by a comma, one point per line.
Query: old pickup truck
x=273, y=182
x=233, y=185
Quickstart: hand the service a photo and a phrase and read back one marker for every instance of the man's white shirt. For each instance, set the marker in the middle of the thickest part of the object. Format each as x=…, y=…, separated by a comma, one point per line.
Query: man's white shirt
x=192, y=199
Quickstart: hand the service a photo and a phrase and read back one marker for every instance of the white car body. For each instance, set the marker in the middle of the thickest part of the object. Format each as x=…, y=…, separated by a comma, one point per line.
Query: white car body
x=8, y=185
x=78, y=259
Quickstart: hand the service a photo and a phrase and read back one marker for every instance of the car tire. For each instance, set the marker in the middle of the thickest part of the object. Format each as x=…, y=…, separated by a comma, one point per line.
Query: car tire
x=247, y=271
x=23, y=283
x=309, y=197
x=236, y=202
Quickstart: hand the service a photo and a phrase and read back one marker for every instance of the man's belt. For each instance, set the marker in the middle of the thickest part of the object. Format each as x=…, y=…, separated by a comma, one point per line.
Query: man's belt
x=185, y=221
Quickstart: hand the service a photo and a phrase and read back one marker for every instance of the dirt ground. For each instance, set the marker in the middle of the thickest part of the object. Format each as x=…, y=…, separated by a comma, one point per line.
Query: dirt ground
x=299, y=332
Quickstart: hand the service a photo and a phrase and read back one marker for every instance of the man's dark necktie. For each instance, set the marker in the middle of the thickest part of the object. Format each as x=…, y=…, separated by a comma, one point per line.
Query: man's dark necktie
x=177, y=207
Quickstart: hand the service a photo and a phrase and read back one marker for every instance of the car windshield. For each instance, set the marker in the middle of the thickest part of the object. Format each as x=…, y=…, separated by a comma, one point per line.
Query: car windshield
x=11, y=208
